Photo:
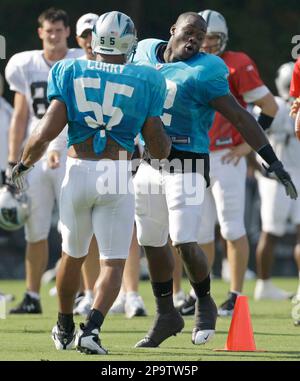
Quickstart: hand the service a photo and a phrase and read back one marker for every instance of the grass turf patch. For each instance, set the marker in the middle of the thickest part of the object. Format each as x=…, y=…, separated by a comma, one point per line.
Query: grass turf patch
x=27, y=337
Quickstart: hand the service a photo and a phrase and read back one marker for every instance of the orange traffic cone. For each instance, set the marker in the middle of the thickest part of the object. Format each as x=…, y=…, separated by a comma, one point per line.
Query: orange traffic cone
x=240, y=335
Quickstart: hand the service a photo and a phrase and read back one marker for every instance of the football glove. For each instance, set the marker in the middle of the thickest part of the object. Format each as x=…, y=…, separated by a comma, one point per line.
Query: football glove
x=18, y=176
x=284, y=177
x=8, y=172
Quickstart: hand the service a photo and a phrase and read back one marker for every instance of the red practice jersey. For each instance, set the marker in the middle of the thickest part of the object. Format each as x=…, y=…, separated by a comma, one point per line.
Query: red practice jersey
x=295, y=83
x=243, y=77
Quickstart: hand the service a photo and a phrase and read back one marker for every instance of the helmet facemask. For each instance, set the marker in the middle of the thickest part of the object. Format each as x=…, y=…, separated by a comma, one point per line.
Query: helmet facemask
x=219, y=47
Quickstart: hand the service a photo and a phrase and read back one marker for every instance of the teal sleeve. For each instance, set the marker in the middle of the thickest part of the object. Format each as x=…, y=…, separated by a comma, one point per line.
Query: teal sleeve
x=215, y=84
x=55, y=82
x=159, y=92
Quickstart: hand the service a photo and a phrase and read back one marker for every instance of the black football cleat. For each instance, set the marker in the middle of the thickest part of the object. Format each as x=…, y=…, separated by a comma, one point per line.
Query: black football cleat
x=63, y=340
x=87, y=341
x=188, y=307
x=226, y=308
x=165, y=325
x=205, y=320
x=28, y=305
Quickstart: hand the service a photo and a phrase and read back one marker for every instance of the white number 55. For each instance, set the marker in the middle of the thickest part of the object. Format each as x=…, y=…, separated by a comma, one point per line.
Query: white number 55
x=107, y=107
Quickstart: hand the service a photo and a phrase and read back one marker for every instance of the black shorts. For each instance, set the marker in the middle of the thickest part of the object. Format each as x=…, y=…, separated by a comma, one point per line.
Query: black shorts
x=183, y=162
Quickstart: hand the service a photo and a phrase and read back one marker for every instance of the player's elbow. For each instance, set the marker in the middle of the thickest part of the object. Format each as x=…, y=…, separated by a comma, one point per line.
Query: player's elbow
x=242, y=119
x=156, y=138
x=268, y=105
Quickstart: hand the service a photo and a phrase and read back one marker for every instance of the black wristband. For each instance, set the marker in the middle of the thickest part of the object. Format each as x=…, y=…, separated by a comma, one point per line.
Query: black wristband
x=22, y=167
x=267, y=153
x=265, y=121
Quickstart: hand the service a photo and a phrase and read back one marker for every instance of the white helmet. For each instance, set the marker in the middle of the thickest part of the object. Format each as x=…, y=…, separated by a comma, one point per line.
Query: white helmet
x=14, y=208
x=216, y=24
x=114, y=33
x=283, y=79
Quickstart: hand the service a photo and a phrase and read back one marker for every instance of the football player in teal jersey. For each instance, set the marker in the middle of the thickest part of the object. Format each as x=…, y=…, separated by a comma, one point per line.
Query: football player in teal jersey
x=106, y=103
x=197, y=86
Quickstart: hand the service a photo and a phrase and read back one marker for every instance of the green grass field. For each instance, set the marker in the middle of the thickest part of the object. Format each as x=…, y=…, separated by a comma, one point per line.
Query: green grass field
x=28, y=337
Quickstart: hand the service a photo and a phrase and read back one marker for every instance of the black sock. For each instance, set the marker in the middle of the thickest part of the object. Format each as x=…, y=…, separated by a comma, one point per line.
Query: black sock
x=202, y=288
x=163, y=292
x=2, y=177
x=233, y=295
x=94, y=319
x=65, y=321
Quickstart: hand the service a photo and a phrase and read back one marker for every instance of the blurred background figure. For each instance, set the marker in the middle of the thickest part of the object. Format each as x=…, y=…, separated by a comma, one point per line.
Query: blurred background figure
x=5, y=117
x=27, y=74
x=275, y=211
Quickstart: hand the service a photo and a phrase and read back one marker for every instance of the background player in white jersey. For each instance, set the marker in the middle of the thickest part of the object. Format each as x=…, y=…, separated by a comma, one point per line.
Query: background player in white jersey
x=197, y=85
x=27, y=75
x=5, y=117
x=225, y=199
x=275, y=209
x=106, y=103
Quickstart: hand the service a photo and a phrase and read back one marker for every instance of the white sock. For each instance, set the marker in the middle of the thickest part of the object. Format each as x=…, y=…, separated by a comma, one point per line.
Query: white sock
x=89, y=294
x=132, y=294
x=33, y=294
x=264, y=282
x=298, y=290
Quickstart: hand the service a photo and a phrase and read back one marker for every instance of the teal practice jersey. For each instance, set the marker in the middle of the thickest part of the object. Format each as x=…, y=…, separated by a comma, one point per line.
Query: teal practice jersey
x=191, y=85
x=106, y=99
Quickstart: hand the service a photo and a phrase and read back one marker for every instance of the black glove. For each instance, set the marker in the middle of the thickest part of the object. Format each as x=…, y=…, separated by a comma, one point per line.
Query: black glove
x=283, y=177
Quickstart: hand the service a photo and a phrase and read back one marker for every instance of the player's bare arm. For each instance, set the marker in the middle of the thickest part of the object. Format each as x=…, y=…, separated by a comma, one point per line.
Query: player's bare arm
x=156, y=139
x=18, y=127
x=267, y=104
x=254, y=135
x=269, y=109
x=50, y=126
x=244, y=122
